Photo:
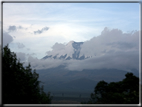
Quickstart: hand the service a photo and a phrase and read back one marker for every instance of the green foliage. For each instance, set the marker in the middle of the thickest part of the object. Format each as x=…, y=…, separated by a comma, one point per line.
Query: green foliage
x=20, y=85
x=122, y=92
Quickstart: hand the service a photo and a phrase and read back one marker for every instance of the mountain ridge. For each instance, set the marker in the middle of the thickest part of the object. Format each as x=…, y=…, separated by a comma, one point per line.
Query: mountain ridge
x=60, y=79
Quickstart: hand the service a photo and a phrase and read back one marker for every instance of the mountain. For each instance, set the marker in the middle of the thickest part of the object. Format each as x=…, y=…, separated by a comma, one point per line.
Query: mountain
x=70, y=51
x=77, y=85
x=63, y=80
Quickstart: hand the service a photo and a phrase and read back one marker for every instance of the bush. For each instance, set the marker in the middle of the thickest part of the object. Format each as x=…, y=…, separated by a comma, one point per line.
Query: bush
x=122, y=92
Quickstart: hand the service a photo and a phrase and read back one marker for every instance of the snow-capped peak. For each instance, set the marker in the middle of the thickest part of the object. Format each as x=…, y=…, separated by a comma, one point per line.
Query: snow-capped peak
x=70, y=43
x=69, y=51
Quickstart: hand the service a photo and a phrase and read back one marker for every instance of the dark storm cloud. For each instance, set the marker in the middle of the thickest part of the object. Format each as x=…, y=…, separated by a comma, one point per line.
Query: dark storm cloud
x=41, y=31
x=7, y=39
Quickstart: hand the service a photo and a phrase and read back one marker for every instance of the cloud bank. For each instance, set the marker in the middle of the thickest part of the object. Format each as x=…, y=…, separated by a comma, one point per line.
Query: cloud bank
x=120, y=60
x=111, y=41
x=111, y=49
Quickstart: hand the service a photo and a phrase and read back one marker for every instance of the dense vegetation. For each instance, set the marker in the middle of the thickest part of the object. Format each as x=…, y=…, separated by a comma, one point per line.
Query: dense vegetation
x=20, y=84
x=122, y=92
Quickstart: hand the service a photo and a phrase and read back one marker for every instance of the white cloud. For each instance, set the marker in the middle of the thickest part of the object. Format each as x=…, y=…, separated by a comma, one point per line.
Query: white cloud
x=58, y=46
x=111, y=40
x=43, y=64
x=111, y=49
x=119, y=60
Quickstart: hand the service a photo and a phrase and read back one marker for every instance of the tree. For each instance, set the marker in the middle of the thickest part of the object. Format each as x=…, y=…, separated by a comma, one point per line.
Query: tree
x=19, y=84
x=122, y=92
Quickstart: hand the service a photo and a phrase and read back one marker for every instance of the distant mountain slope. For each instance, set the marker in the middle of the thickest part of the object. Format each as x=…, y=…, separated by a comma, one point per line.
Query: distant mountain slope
x=78, y=85
x=60, y=79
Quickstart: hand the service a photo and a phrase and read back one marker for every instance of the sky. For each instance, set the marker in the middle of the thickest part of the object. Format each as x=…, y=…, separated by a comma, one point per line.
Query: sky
x=32, y=29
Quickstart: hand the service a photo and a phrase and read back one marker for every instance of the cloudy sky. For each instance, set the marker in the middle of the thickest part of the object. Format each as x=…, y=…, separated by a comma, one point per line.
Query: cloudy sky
x=31, y=29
